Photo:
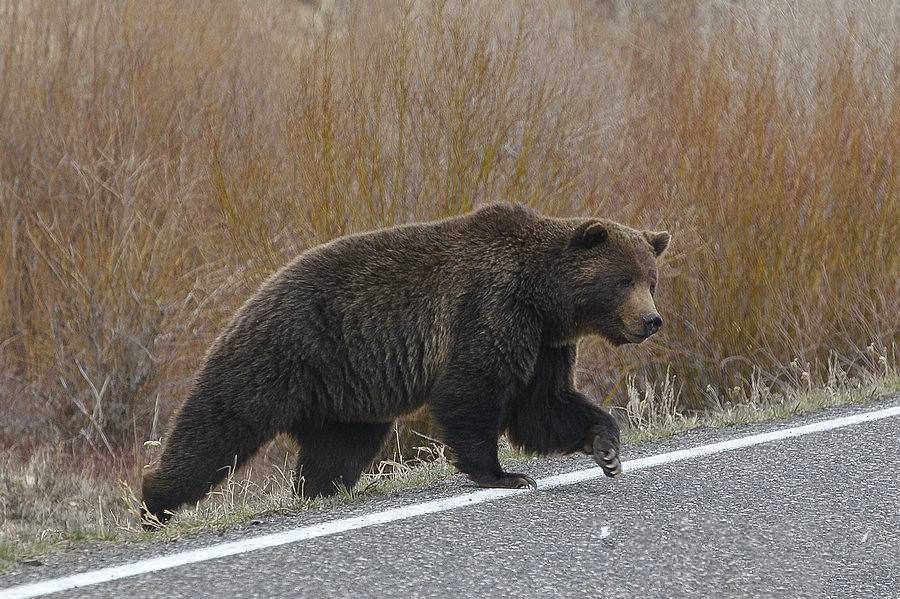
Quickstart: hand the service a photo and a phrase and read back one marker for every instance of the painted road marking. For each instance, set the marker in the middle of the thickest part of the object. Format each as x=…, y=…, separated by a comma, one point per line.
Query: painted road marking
x=295, y=535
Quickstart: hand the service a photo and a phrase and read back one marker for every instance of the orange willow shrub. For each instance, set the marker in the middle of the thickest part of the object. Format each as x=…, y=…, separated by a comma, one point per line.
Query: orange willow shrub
x=158, y=160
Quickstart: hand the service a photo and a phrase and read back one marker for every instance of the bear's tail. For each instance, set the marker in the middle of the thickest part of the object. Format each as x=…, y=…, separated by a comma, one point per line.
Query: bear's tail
x=206, y=443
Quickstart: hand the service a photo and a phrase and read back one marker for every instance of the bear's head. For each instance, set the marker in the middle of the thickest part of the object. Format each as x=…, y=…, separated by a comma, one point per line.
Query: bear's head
x=612, y=277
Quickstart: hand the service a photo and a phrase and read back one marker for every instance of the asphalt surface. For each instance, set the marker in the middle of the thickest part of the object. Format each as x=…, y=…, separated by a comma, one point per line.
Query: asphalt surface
x=812, y=516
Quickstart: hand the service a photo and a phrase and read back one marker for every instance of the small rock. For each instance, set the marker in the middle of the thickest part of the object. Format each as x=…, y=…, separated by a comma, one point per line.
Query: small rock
x=32, y=562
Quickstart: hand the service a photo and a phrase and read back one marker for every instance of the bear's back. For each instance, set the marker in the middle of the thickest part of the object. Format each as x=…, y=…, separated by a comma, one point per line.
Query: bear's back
x=362, y=325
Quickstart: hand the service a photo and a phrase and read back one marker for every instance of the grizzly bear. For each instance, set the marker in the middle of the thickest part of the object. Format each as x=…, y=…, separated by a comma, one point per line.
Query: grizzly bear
x=476, y=317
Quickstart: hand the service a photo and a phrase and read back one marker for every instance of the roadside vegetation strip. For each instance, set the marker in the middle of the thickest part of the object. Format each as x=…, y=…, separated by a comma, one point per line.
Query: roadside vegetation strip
x=221, y=550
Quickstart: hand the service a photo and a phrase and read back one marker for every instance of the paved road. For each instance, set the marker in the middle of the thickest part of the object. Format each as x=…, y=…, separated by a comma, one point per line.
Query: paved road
x=812, y=516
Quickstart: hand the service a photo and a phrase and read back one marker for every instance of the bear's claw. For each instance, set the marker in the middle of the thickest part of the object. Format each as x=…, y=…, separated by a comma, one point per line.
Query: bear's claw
x=525, y=482
x=509, y=480
x=607, y=457
x=519, y=481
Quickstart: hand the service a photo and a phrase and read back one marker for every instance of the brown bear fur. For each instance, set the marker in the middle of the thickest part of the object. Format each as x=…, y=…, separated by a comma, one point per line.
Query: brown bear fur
x=477, y=317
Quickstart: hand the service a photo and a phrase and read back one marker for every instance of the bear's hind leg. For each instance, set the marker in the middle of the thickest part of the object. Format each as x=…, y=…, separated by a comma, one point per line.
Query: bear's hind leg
x=334, y=455
x=205, y=444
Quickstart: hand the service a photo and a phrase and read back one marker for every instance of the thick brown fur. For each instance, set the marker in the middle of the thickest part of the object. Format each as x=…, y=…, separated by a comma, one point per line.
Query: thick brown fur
x=477, y=317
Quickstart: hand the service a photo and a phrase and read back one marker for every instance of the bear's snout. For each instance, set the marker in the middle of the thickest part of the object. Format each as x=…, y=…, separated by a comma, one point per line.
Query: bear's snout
x=652, y=323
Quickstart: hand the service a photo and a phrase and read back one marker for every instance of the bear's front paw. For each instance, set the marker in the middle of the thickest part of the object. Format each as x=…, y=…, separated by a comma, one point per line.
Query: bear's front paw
x=606, y=454
x=507, y=480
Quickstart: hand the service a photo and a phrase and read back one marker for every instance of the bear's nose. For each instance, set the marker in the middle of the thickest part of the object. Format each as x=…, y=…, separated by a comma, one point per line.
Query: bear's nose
x=652, y=323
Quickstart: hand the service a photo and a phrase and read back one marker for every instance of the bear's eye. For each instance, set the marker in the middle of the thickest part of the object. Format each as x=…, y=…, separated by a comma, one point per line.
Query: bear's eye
x=652, y=288
x=624, y=283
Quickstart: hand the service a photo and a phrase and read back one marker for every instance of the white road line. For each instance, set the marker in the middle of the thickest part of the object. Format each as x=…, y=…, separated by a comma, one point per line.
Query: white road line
x=411, y=511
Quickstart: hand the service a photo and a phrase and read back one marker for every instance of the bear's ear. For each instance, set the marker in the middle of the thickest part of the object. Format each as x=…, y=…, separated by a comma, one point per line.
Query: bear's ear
x=588, y=235
x=659, y=241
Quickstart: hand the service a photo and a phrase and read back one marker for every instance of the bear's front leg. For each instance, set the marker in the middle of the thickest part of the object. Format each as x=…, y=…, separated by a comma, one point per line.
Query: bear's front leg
x=552, y=416
x=469, y=421
x=564, y=421
x=474, y=444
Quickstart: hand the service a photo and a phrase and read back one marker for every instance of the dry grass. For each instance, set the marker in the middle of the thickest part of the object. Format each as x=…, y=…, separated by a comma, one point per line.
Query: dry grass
x=656, y=410
x=50, y=501
x=157, y=160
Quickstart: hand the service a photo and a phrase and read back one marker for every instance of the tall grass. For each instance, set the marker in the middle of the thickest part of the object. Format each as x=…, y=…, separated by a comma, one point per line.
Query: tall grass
x=158, y=160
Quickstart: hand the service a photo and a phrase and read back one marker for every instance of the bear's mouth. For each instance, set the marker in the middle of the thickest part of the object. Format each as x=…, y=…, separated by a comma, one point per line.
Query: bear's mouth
x=633, y=337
